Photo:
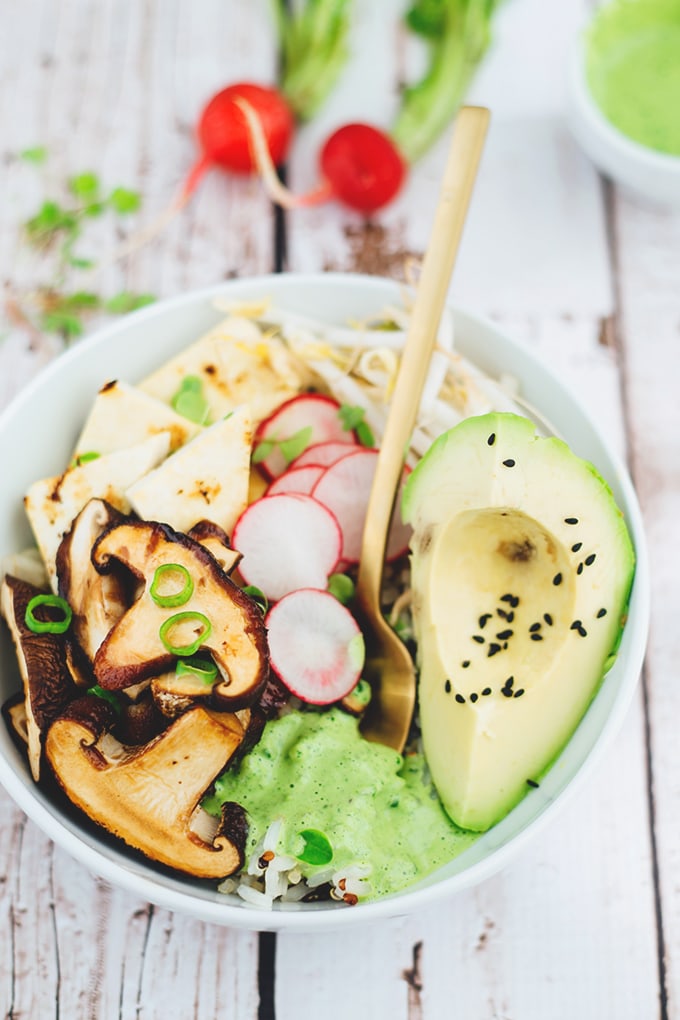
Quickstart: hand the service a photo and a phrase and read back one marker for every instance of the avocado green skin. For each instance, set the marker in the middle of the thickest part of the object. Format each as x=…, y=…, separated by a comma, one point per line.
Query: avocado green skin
x=491, y=483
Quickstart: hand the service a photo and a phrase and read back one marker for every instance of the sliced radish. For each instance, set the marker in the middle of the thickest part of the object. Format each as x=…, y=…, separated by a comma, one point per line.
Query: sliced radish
x=315, y=645
x=297, y=479
x=344, y=488
x=323, y=454
x=287, y=542
x=309, y=418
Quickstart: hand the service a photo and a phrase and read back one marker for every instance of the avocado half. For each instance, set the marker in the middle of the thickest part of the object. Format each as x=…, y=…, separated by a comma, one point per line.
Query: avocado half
x=521, y=569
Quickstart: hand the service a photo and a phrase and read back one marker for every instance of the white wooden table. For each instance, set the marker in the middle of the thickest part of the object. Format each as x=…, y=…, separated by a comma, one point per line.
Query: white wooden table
x=586, y=922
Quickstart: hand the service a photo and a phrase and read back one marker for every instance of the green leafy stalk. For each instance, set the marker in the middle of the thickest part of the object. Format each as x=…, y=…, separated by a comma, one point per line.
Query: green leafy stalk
x=314, y=50
x=458, y=33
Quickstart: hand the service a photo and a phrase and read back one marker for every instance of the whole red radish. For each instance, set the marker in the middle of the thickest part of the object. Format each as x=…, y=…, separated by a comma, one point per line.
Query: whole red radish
x=360, y=167
x=223, y=133
x=226, y=141
x=363, y=166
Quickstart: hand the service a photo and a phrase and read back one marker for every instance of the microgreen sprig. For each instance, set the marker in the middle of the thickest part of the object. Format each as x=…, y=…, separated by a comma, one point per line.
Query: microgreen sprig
x=55, y=231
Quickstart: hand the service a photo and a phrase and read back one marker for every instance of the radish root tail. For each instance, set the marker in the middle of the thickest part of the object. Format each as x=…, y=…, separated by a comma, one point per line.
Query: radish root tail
x=273, y=185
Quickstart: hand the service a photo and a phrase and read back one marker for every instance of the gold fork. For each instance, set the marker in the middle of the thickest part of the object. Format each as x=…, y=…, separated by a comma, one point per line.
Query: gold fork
x=389, y=666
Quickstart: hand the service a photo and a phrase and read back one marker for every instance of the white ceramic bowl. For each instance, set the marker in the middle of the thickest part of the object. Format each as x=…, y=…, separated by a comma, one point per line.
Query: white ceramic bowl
x=37, y=433
x=653, y=175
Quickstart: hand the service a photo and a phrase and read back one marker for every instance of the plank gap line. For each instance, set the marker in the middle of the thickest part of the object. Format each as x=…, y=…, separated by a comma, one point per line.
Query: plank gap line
x=619, y=341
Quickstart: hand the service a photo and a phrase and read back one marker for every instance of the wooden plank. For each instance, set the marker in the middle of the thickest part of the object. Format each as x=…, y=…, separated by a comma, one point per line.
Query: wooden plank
x=552, y=935
x=128, y=107
x=648, y=251
x=536, y=258
x=123, y=83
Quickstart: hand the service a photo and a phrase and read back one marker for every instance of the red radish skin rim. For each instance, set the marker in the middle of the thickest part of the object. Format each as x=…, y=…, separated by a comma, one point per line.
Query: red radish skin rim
x=291, y=642
x=260, y=566
x=328, y=428
x=296, y=479
x=345, y=506
x=319, y=454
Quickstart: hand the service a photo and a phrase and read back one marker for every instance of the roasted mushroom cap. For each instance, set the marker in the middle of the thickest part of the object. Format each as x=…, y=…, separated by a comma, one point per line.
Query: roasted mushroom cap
x=135, y=648
x=48, y=686
x=98, y=600
x=148, y=796
x=14, y=711
x=215, y=539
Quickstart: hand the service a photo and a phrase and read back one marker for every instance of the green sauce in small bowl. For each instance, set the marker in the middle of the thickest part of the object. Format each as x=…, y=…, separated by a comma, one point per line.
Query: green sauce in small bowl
x=633, y=70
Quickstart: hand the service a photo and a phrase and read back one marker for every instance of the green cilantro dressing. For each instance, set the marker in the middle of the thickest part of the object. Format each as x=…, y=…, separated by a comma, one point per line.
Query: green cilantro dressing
x=316, y=772
x=633, y=69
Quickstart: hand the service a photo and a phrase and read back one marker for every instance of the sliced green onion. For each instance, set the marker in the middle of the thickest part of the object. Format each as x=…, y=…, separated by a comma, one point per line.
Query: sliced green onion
x=109, y=696
x=257, y=595
x=318, y=849
x=192, y=384
x=204, y=669
x=353, y=420
x=185, y=651
x=178, y=598
x=361, y=694
x=342, y=587
x=48, y=626
x=190, y=402
x=294, y=445
x=262, y=450
x=84, y=458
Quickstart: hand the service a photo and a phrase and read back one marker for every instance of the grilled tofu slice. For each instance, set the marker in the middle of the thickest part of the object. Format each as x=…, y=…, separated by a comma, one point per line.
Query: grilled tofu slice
x=53, y=503
x=207, y=479
x=123, y=415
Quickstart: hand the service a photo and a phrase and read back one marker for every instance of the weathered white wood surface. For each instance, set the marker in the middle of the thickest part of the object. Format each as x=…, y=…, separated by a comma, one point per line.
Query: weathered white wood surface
x=586, y=921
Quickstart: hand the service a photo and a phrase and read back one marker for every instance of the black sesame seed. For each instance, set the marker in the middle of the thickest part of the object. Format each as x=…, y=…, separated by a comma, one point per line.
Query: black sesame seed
x=507, y=597
x=505, y=645
x=519, y=693
x=571, y=520
x=509, y=462
x=601, y=613
x=447, y=686
x=583, y=632
x=534, y=627
x=536, y=637
x=465, y=664
x=460, y=699
x=557, y=579
x=473, y=698
x=493, y=649
x=589, y=560
x=492, y=439
x=548, y=619
x=478, y=638
x=575, y=625
x=532, y=783
x=483, y=619
x=502, y=613
x=503, y=635
x=510, y=617
x=576, y=546
x=509, y=682
x=506, y=692
x=515, y=602
x=579, y=569
x=486, y=692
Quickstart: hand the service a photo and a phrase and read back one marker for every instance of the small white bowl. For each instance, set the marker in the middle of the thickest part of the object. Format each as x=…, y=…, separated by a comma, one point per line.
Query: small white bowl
x=37, y=433
x=653, y=175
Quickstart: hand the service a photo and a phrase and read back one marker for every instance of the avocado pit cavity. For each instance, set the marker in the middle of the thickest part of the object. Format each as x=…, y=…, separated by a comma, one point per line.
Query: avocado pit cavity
x=500, y=561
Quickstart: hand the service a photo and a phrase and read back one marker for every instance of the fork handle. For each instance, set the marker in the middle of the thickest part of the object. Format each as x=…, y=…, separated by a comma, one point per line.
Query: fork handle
x=456, y=190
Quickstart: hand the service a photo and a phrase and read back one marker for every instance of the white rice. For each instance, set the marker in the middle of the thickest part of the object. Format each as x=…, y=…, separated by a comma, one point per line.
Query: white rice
x=270, y=877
